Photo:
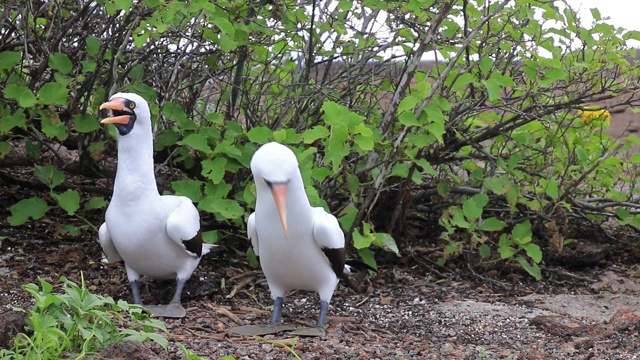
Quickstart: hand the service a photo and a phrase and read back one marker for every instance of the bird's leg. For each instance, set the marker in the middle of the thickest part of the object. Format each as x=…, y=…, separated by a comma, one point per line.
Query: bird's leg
x=135, y=289
x=317, y=331
x=174, y=309
x=179, y=286
x=277, y=310
x=324, y=306
x=275, y=327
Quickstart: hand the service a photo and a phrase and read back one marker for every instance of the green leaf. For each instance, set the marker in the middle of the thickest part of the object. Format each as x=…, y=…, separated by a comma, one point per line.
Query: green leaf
x=408, y=118
x=5, y=148
x=492, y=224
x=68, y=201
x=473, y=206
x=224, y=25
x=52, y=126
x=484, y=251
x=93, y=46
x=228, y=209
x=336, y=151
x=522, y=233
x=10, y=121
x=227, y=44
x=21, y=94
x=408, y=103
x=386, y=242
x=85, y=123
x=53, y=93
x=532, y=269
x=49, y=174
x=362, y=241
x=71, y=230
x=253, y=259
x=551, y=187
x=189, y=188
x=364, y=142
x=196, y=142
x=462, y=81
x=214, y=169
x=259, y=135
x=9, y=59
x=443, y=188
x=315, y=133
x=61, y=63
x=97, y=202
x=368, y=257
x=400, y=169
x=505, y=247
x=34, y=208
x=493, y=88
x=534, y=252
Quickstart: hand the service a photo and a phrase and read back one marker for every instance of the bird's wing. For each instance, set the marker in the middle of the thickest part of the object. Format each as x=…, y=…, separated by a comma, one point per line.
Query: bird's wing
x=253, y=234
x=183, y=225
x=108, y=248
x=330, y=238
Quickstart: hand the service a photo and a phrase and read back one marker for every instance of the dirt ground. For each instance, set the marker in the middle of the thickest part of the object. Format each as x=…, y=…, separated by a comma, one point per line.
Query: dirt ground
x=412, y=309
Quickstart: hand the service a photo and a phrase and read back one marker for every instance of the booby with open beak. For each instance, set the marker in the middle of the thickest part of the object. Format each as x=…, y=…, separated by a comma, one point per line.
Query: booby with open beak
x=300, y=246
x=156, y=236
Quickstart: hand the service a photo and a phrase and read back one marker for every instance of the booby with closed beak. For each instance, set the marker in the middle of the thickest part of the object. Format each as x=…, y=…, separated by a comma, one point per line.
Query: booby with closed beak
x=156, y=236
x=299, y=246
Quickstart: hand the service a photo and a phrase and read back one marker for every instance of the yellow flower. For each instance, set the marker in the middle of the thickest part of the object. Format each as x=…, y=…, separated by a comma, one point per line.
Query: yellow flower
x=588, y=115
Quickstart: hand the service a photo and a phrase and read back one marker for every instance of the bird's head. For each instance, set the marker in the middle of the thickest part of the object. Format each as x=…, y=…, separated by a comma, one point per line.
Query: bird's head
x=274, y=166
x=128, y=109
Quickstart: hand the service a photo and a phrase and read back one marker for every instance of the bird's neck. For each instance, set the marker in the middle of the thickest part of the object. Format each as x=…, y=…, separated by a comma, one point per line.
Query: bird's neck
x=135, y=176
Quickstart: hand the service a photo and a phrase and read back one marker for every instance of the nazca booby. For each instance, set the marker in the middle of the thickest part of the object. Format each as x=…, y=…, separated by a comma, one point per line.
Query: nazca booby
x=156, y=236
x=299, y=246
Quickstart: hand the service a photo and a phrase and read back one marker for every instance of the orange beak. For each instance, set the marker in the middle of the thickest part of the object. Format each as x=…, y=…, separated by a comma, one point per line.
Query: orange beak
x=115, y=104
x=279, y=192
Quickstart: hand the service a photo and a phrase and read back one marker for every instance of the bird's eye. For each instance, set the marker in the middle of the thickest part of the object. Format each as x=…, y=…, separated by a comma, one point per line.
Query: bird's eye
x=132, y=105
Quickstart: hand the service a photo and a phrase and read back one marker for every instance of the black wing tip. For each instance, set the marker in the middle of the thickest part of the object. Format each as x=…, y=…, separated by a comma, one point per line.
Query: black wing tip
x=336, y=258
x=194, y=244
x=357, y=264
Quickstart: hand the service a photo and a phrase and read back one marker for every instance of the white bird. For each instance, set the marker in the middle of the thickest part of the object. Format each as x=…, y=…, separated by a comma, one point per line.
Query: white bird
x=300, y=246
x=156, y=236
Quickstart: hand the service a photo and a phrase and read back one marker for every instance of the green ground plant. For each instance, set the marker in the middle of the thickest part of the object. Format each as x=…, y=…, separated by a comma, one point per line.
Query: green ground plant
x=77, y=323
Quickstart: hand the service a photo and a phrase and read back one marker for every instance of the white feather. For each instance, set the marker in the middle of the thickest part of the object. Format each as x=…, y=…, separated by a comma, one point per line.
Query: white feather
x=141, y=227
x=296, y=261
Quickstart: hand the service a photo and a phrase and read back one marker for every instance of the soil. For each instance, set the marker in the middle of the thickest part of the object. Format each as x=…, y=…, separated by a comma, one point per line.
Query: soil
x=413, y=309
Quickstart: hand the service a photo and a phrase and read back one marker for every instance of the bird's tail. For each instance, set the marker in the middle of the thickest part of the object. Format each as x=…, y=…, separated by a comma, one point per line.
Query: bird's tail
x=357, y=264
x=354, y=264
x=207, y=247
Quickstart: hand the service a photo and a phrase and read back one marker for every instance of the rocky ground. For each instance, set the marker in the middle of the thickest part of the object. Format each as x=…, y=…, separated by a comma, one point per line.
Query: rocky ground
x=412, y=309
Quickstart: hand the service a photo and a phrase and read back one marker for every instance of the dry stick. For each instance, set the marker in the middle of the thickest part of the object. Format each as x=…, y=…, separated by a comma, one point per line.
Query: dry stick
x=566, y=274
x=239, y=286
x=245, y=274
x=223, y=311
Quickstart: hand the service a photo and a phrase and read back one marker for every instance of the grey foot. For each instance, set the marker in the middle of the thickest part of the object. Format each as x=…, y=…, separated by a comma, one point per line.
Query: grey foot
x=171, y=310
x=309, y=331
x=260, y=330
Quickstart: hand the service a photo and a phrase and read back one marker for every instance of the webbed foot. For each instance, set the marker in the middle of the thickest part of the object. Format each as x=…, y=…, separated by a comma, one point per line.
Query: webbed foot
x=309, y=331
x=171, y=310
x=260, y=330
